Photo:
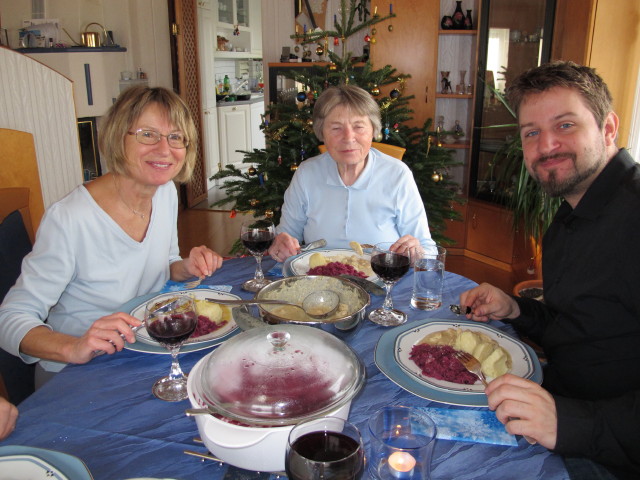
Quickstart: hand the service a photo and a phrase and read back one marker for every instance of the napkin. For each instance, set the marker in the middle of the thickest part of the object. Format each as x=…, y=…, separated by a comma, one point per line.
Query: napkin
x=172, y=286
x=479, y=426
x=276, y=270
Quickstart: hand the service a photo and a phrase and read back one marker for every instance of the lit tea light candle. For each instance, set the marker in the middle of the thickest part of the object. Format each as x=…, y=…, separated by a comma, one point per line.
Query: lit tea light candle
x=401, y=464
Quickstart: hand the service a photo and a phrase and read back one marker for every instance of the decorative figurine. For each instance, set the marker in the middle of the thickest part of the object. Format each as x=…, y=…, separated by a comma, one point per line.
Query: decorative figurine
x=446, y=83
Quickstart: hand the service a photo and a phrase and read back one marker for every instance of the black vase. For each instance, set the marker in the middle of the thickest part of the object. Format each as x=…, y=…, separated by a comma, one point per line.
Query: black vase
x=446, y=23
x=468, y=22
x=458, y=16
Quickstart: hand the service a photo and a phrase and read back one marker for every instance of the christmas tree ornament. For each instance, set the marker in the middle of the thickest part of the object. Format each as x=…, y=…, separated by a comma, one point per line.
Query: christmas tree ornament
x=373, y=31
x=386, y=131
x=294, y=167
x=251, y=171
x=373, y=40
x=253, y=202
x=336, y=41
x=310, y=121
x=268, y=213
x=395, y=93
x=378, y=137
x=435, y=177
x=319, y=50
x=396, y=127
x=390, y=28
x=279, y=159
x=301, y=96
x=232, y=214
x=310, y=95
x=367, y=38
x=375, y=91
x=261, y=179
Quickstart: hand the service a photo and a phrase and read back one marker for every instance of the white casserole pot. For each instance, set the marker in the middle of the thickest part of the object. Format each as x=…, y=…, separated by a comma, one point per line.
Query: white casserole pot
x=253, y=418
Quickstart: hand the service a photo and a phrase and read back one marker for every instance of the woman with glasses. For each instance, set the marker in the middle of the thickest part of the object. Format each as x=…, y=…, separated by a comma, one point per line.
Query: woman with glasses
x=109, y=240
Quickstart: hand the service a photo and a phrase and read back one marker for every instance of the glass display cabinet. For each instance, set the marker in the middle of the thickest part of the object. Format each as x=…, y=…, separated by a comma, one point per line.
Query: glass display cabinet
x=513, y=37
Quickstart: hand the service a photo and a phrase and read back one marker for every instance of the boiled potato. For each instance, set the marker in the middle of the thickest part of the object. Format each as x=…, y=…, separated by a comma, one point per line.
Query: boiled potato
x=212, y=311
x=317, y=260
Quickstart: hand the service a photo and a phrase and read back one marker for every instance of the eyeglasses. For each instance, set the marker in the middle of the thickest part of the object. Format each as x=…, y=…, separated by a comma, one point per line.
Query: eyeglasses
x=151, y=137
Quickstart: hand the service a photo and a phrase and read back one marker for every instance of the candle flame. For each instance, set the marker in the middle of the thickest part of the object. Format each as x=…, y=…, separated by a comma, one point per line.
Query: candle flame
x=402, y=461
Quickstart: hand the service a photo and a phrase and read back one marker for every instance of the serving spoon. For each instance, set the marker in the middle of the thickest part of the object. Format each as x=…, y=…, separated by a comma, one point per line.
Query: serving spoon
x=319, y=304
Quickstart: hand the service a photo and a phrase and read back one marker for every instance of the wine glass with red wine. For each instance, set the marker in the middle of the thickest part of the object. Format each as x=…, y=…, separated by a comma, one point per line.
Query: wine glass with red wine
x=390, y=267
x=170, y=321
x=257, y=236
x=327, y=448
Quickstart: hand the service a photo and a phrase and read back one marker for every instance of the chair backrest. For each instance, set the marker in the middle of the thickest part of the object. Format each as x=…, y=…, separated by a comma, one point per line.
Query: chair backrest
x=19, y=168
x=16, y=238
x=391, y=150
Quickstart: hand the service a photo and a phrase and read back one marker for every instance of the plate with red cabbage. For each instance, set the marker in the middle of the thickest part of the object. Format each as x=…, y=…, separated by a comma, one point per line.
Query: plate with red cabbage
x=215, y=322
x=338, y=261
x=397, y=357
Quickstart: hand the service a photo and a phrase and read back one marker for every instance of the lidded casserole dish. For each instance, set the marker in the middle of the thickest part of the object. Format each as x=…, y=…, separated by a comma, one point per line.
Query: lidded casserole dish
x=279, y=375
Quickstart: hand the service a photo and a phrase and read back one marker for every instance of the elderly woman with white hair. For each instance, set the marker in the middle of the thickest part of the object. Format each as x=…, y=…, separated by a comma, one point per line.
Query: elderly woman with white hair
x=353, y=192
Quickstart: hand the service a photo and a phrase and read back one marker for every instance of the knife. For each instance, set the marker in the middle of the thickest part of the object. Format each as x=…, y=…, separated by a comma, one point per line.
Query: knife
x=368, y=285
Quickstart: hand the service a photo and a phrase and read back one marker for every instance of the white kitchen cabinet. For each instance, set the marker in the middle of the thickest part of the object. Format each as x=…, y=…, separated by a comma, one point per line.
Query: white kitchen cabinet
x=246, y=16
x=207, y=45
x=234, y=127
x=95, y=76
x=257, y=134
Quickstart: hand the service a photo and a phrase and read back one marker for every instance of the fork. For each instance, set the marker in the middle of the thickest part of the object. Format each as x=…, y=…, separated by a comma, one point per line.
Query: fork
x=472, y=364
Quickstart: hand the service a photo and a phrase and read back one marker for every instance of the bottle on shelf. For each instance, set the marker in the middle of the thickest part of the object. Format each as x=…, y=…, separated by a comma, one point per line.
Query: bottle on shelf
x=468, y=22
x=458, y=16
x=226, y=84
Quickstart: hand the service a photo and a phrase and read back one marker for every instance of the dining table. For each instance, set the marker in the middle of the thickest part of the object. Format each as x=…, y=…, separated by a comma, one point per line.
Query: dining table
x=105, y=414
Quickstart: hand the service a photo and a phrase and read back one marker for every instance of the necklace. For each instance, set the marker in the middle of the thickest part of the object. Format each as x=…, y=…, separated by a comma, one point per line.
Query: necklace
x=136, y=212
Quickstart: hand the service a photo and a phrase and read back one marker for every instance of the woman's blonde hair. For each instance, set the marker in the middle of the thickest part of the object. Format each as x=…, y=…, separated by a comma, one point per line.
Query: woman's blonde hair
x=124, y=113
x=356, y=99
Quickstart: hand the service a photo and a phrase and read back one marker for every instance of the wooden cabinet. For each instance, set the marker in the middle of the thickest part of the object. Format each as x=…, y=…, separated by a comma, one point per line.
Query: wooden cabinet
x=603, y=34
x=411, y=48
x=95, y=75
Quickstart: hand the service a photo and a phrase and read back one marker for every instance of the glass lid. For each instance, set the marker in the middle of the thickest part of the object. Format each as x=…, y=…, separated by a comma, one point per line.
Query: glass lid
x=279, y=375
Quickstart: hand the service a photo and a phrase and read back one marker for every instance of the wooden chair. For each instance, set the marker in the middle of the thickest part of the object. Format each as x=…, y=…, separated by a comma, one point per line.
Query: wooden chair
x=391, y=150
x=20, y=169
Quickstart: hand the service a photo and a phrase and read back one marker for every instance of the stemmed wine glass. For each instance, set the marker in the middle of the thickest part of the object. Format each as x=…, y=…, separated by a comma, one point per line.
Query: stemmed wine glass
x=170, y=322
x=328, y=448
x=257, y=237
x=390, y=267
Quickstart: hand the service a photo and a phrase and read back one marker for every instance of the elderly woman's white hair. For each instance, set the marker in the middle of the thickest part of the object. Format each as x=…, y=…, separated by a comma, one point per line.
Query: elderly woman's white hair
x=356, y=99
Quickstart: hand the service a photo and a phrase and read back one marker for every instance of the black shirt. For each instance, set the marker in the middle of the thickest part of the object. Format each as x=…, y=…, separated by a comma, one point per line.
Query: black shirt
x=589, y=325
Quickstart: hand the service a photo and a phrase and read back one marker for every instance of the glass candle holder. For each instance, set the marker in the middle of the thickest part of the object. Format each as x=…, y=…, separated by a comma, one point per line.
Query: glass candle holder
x=401, y=444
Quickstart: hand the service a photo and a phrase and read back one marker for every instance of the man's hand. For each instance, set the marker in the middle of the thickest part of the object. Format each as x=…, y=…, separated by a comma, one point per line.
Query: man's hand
x=489, y=303
x=525, y=408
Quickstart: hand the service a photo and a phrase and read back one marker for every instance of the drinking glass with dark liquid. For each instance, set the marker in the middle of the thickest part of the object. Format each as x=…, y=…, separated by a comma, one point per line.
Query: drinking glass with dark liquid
x=389, y=266
x=170, y=321
x=325, y=449
x=257, y=236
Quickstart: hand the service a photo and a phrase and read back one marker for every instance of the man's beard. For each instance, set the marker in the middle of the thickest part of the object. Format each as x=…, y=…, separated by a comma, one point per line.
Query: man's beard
x=561, y=188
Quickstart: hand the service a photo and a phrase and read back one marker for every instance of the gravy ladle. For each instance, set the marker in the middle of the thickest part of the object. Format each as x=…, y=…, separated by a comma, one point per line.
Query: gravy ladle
x=317, y=305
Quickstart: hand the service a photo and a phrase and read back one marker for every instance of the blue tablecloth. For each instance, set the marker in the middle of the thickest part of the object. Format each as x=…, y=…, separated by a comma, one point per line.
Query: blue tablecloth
x=105, y=414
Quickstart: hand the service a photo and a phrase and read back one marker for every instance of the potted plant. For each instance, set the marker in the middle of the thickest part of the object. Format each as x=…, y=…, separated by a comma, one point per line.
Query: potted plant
x=533, y=210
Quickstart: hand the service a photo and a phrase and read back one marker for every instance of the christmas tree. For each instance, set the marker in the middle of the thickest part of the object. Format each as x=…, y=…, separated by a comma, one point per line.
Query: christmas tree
x=290, y=138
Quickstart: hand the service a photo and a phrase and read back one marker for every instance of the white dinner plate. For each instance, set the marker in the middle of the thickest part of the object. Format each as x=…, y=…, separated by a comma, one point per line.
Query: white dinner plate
x=522, y=366
x=28, y=467
x=144, y=343
x=70, y=467
x=392, y=358
x=299, y=265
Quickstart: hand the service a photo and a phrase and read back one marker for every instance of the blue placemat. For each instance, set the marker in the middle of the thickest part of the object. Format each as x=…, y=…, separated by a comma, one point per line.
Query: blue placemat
x=172, y=286
x=478, y=426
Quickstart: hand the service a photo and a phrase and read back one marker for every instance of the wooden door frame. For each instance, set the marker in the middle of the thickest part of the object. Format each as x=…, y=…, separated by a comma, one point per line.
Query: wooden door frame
x=186, y=82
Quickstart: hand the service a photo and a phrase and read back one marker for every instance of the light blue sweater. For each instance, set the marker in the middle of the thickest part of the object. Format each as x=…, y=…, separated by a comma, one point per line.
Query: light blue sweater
x=381, y=206
x=84, y=266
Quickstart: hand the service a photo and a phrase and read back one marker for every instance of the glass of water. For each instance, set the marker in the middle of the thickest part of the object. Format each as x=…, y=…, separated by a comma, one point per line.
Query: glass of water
x=428, y=279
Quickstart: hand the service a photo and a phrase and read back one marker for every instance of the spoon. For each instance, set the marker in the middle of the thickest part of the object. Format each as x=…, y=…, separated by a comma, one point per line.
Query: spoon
x=317, y=305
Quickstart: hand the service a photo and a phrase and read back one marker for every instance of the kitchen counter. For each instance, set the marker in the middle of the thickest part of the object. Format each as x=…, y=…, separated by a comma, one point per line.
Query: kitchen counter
x=255, y=98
